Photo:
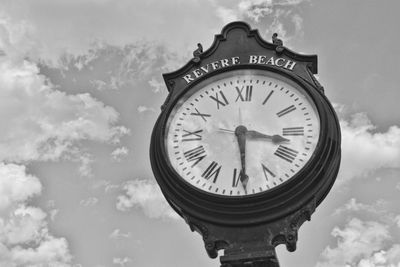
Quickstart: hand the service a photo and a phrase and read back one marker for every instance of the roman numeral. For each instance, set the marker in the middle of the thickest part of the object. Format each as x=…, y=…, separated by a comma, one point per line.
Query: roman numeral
x=293, y=131
x=191, y=136
x=220, y=101
x=212, y=171
x=267, y=171
x=268, y=96
x=248, y=93
x=286, y=111
x=196, y=154
x=202, y=115
x=236, y=177
x=286, y=153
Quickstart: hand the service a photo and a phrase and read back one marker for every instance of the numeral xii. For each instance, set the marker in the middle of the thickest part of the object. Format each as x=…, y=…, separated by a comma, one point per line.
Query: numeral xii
x=246, y=95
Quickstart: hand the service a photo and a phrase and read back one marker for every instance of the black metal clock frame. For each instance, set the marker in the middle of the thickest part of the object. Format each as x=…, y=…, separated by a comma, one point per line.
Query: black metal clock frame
x=249, y=227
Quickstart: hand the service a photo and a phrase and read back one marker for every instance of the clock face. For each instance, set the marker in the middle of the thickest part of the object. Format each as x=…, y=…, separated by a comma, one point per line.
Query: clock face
x=242, y=133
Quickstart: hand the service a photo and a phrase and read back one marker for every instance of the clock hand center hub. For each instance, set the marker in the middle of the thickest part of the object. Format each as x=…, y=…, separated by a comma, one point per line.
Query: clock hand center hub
x=240, y=130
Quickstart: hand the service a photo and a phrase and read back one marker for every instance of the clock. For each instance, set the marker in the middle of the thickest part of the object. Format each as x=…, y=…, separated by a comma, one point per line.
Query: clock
x=246, y=146
x=241, y=133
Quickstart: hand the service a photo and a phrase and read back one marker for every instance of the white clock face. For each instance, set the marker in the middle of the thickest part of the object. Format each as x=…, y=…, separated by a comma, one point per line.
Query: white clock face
x=244, y=133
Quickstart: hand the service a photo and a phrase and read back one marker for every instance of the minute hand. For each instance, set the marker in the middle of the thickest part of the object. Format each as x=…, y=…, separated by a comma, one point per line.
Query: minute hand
x=274, y=138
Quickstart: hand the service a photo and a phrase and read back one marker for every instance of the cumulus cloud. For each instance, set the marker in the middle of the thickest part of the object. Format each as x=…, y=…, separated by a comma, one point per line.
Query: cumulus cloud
x=50, y=252
x=146, y=195
x=40, y=123
x=16, y=185
x=283, y=16
x=118, y=68
x=17, y=38
x=119, y=153
x=362, y=244
x=357, y=240
x=365, y=243
x=21, y=224
x=383, y=258
x=156, y=85
x=364, y=150
x=72, y=26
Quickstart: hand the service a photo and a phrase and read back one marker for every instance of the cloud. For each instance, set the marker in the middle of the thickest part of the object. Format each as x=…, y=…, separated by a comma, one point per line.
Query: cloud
x=25, y=239
x=23, y=225
x=283, y=16
x=146, y=195
x=41, y=123
x=383, y=258
x=50, y=252
x=122, y=261
x=47, y=29
x=89, y=202
x=357, y=240
x=122, y=69
x=119, y=153
x=156, y=85
x=379, y=207
x=365, y=243
x=227, y=14
x=108, y=186
x=142, y=109
x=53, y=213
x=365, y=150
x=17, y=38
x=16, y=185
x=117, y=234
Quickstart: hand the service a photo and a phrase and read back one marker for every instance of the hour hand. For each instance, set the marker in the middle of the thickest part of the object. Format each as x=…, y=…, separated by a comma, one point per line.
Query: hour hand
x=274, y=138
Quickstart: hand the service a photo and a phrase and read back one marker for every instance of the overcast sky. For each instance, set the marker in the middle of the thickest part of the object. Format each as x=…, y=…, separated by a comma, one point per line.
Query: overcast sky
x=81, y=87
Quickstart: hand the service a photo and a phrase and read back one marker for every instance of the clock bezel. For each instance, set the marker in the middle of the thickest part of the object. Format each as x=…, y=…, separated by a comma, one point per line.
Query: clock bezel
x=264, y=206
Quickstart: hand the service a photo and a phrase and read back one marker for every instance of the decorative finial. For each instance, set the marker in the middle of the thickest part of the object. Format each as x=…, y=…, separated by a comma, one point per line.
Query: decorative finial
x=276, y=40
x=197, y=53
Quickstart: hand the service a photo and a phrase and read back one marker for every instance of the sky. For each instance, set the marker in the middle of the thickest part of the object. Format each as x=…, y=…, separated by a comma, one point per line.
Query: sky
x=81, y=88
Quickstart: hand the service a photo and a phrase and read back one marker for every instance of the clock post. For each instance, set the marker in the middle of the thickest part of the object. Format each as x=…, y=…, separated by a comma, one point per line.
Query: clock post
x=246, y=146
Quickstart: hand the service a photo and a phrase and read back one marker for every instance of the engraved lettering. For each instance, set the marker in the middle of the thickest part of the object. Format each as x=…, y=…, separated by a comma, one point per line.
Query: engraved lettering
x=253, y=59
x=188, y=78
x=204, y=68
x=261, y=59
x=270, y=61
x=277, y=62
x=215, y=65
x=197, y=73
x=235, y=60
x=290, y=65
x=224, y=63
